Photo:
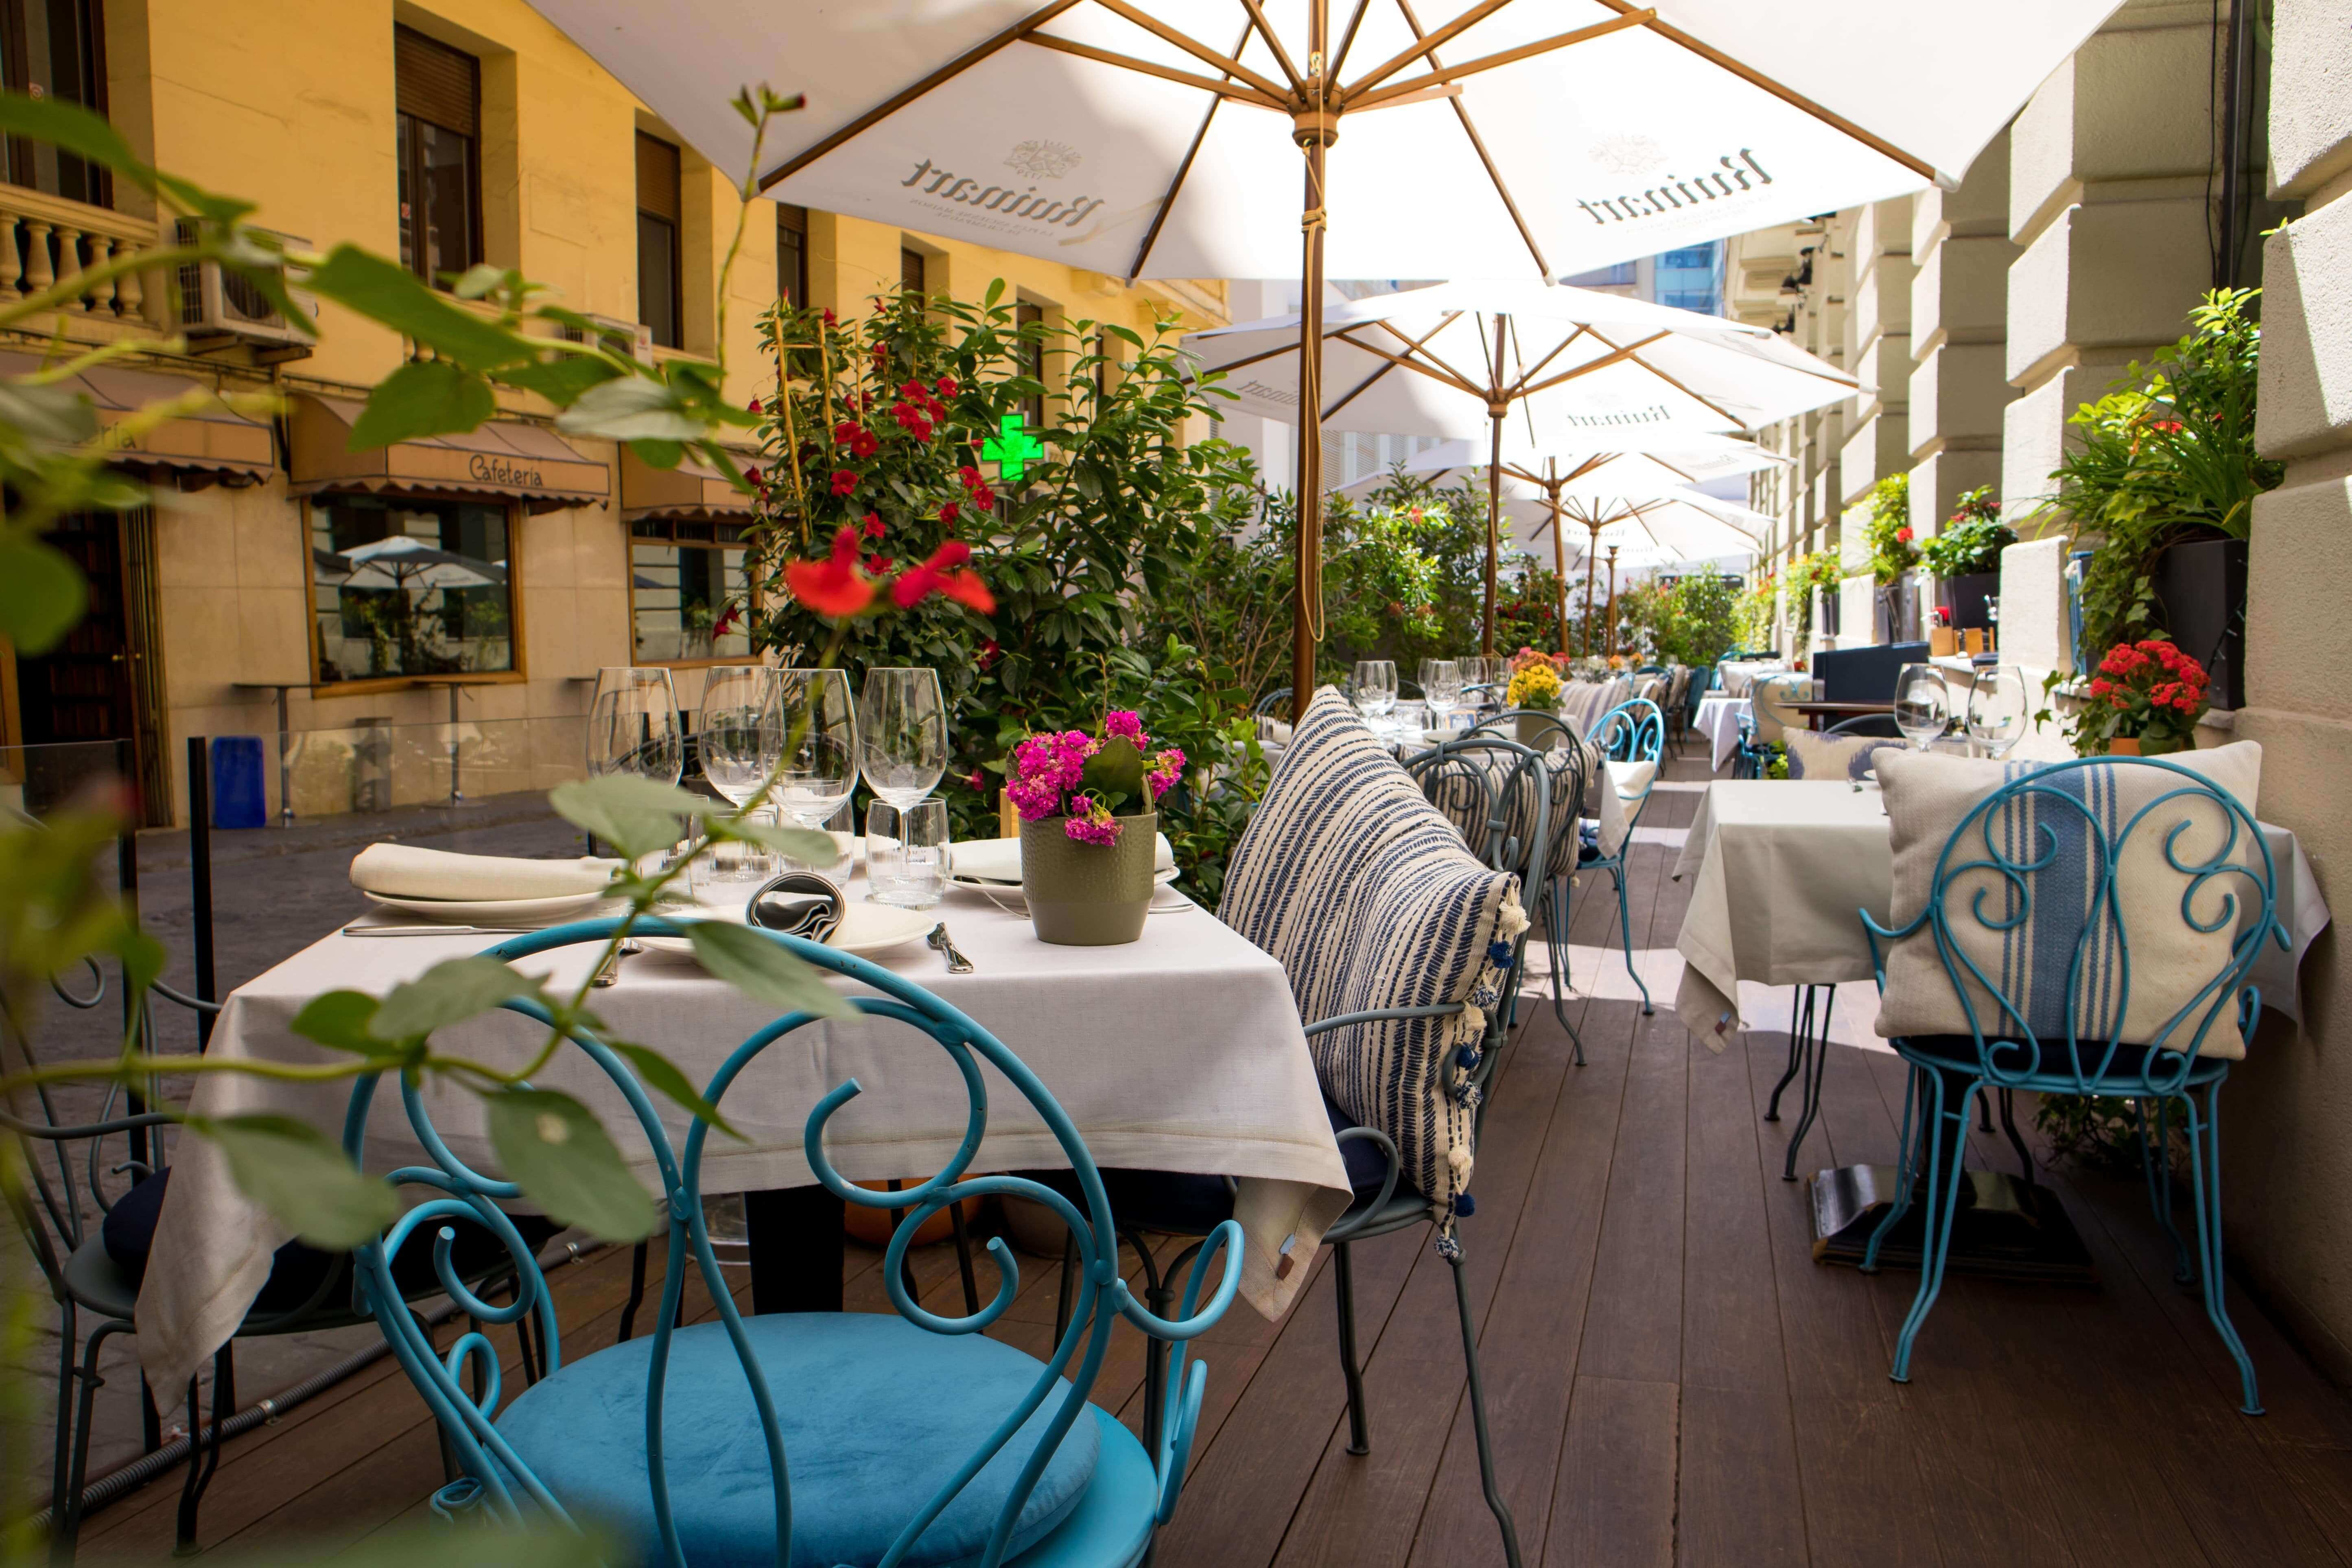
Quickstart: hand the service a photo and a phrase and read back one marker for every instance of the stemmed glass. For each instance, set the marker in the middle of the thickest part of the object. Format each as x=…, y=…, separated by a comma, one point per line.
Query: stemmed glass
x=1441, y=688
x=1997, y=709
x=632, y=725
x=902, y=750
x=1922, y=705
x=1376, y=688
x=818, y=768
x=1476, y=671
x=741, y=741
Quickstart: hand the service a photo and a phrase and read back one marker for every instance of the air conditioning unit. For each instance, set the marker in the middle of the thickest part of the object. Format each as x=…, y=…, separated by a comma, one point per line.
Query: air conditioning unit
x=632, y=339
x=217, y=302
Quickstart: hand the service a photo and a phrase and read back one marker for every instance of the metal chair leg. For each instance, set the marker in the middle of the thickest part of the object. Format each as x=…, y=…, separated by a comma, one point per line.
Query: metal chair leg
x=2016, y=1139
x=963, y=1259
x=1625, y=932
x=1478, y=1419
x=1946, y=1150
x=2205, y=1175
x=1555, y=918
x=1067, y=1301
x=2154, y=1168
x=1817, y=1042
x=67, y=1529
x=636, y=1292
x=204, y=1452
x=1796, y=1058
x=1360, y=1440
x=1906, y=1173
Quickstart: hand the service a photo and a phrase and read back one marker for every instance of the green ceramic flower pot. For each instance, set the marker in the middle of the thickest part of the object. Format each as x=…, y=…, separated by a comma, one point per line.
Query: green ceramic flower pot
x=1087, y=895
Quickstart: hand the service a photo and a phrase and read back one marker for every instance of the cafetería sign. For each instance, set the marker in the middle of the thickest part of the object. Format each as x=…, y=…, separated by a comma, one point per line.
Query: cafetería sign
x=505, y=458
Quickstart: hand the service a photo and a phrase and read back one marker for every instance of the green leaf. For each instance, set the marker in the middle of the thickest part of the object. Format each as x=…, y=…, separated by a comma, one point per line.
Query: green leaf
x=996, y=291
x=308, y=1183
x=339, y=1020
x=801, y=843
x=632, y=409
x=393, y=296
x=450, y=992
x=560, y=378
x=636, y=815
x=1117, y=769
x=423, y=398
x=42, y=594
x=565, y=1161
x=478, y=280
x=663, y=1075
x=763, y=970
x=56, y=412
x=663, y=455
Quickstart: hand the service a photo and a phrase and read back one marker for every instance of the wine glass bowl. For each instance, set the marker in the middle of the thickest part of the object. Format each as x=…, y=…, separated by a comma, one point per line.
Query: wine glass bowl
x=1441, y=688
x=902, y=733
x=1996, y=710
x=743, y=734
x=1376, y=688
x=634, y=726
x=1922, y=704
x=818, y=755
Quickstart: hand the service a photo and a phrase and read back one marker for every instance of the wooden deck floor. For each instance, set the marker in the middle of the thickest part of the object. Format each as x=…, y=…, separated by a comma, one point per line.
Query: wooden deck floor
x=1672, y=1379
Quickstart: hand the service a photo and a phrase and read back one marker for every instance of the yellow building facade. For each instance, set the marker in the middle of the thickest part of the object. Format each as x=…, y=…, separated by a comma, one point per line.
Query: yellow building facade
x=261, y=589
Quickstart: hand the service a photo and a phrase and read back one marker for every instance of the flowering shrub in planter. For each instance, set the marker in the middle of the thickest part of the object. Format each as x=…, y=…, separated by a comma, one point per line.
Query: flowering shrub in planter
x=2147, y=691
x=1084, y=779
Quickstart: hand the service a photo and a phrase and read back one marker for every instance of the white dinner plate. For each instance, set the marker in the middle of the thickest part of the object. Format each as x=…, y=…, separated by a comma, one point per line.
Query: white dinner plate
x=1001, y=890
x=491, y=911
x=866, y=928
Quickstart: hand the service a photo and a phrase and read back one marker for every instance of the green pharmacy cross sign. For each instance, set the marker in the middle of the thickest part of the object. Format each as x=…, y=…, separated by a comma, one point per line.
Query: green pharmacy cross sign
x=1012, y=450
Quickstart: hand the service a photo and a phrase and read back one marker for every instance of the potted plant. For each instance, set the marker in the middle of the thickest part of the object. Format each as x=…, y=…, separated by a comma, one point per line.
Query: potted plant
x=2144, y=701
x=1966, y=556
x=1886, y=529
x=1534, y=685
x=1089, y=824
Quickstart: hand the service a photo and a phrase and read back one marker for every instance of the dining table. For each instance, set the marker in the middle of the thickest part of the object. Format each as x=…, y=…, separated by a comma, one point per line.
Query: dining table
x=1719, y=718
x=1153, y=1077
x=1820, y=715
x=1737, y=675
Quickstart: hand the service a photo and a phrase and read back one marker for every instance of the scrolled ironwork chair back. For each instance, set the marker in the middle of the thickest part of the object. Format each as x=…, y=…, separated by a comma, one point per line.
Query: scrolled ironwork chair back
x=1633, y=732
x=507, y=1484
x=2036, y=864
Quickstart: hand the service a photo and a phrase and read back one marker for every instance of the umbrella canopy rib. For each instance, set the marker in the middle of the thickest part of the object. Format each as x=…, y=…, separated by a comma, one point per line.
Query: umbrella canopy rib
x=1386, y=366
x=1201, y=52
x=1422, y=45
x=1281, y=54
x=1245, y=92
x=1176, y=185
x=1502, y=57
x=1478, y=145
x=1614, y=356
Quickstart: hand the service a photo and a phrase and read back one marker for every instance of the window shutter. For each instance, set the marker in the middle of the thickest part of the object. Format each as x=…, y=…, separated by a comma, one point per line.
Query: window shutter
x=658, y=179
x=911, y=270
x=436, y=83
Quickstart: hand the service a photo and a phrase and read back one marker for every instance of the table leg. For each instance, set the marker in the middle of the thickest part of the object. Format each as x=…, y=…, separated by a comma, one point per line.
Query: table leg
x=796, y=1248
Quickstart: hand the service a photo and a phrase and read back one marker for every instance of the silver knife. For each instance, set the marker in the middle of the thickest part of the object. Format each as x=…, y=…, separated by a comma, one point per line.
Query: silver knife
x=435, y=930
x=939, y=938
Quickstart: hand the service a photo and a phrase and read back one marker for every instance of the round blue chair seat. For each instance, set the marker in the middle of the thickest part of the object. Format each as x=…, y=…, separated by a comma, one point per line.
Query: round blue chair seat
x=877, y=1414
x=2058, y=1062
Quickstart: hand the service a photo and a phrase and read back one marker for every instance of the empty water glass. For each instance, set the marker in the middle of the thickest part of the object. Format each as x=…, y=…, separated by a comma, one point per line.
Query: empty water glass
x=1376, y=688
x=907, y=853
x=1922, y=705
x=1997, y=709
x=1441, y=689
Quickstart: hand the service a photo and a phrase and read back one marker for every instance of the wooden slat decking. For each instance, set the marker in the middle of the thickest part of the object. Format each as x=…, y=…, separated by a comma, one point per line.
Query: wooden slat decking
x=1671, y=1379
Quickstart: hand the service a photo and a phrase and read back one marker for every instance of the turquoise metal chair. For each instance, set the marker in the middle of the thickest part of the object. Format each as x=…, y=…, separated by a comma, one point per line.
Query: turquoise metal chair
x=804, y=1438
x=2066, y=864
x=1631, y=732
x=1556, y=879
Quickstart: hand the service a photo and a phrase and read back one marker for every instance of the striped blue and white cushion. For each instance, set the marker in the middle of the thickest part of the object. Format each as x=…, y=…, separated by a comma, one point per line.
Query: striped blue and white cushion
x=1368, y=898
x=2141, y=974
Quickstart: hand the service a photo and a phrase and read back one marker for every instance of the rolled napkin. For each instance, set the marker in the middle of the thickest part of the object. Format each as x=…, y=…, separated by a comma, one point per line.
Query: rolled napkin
x=406, y=871
x=999, y=860
x=798, y=903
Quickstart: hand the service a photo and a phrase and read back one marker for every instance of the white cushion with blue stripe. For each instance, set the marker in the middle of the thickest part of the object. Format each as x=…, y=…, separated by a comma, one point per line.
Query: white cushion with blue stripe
x=2150, y=983
x=1370, y=899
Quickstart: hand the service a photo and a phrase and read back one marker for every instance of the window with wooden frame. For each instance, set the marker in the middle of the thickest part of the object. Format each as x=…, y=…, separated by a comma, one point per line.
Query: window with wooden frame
x=689, y=590
x=404, y=586
x=792, y=254
x=437, y=92
x=55, y=48
x=1029, y=354
x=913, y=271
x=660, y=220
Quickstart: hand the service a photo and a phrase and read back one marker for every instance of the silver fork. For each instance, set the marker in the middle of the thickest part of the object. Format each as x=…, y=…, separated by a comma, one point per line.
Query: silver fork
x=610, y=973
x=941, y=942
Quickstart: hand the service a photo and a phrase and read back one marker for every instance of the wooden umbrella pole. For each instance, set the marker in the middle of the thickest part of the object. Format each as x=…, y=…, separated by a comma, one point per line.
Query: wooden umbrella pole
x=1591, y=557
x=1558, y=554
x=1612, y=601
x=1494, y=521
x=1314, y=128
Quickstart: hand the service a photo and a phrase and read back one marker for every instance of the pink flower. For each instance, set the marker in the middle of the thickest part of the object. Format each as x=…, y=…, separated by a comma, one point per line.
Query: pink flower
x=1166, y=769
x=1090, y=822
x=1124, y=724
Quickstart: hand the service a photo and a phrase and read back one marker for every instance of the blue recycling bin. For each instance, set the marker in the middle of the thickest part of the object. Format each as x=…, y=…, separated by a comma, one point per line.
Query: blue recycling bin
x=240, y=797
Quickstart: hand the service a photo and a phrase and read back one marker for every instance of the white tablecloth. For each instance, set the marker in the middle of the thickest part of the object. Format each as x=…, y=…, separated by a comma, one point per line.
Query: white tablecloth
x=1738, y=675
x=1718, y=720
x=1783, y=865
x=1183, y=1051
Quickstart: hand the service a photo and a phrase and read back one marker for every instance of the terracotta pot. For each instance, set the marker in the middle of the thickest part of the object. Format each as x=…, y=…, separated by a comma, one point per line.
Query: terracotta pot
x=1087, y=895
x=2123, y=745
x=872, y=1226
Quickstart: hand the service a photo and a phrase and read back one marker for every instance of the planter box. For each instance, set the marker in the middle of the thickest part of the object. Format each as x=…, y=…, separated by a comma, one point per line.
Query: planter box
x=2200, y=591
x=1965, y=598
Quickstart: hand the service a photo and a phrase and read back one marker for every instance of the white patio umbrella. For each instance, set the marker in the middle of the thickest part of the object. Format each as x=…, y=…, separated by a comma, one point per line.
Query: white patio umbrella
x=402, y=562
x=1527, y=364
x=1156, y=138
x=1657, y=526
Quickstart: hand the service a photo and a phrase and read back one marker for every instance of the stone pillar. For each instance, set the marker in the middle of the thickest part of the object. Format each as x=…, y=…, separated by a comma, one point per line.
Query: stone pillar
x=2108, y=170
x=1959, y=301
x=1878, y=352
x=2288, y=1196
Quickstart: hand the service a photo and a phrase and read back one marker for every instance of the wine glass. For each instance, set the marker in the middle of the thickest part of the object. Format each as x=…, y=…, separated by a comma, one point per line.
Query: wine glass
x=818, y=764
x=632, y=725
x=1997, y=709
x=742, y=729
x=901, y=730
x=1441, y=688
x=1922, y=706
x=1376, y=688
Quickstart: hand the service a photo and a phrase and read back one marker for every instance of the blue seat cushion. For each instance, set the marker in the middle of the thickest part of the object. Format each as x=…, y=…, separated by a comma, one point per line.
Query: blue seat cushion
x=875, y=1414
x=2057, y=1059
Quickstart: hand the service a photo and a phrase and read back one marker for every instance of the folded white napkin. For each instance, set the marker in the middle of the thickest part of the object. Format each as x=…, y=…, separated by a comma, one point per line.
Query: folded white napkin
x=999, y=860
x=406, y=871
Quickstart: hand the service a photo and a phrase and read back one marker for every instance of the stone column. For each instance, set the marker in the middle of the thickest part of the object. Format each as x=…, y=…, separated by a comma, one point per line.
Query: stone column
x=1877, y=441
x=1959, y=298
x=2288, y=1198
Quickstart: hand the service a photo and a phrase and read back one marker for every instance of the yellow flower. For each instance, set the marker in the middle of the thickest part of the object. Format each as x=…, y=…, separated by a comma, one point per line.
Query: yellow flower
x=1537, y=686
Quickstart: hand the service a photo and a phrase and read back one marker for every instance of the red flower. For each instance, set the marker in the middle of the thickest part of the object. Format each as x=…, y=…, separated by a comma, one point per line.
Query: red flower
x=942, y=574
x=914, y=389
x=750, y=475
x=979, y=780
x=844, y=481
x=912, y=420
x=990, y=653
x=984, y=498
x=947, y=513
x=830, y=319
x=970, y=475
x=879, y=564
x=2167, y=425
x=754, y=405
x=946, y=386
x=2101, y=687
x=832, y=586
x=873, y=525
x=1902, y=536
x=727, y=620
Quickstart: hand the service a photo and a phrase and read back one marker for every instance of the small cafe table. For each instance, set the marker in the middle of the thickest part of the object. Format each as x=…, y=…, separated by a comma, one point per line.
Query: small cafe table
x=1183, y=1051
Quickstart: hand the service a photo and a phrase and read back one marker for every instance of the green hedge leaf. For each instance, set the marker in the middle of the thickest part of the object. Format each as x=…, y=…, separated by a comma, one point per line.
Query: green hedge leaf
x=559, y=1153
